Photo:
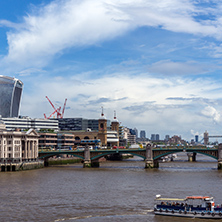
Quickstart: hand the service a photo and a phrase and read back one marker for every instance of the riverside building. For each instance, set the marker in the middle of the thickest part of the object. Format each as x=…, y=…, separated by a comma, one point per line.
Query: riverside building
x=25, y=123
x=77, y=124
x=10, y=94
x=106, y=131
x=18, y=150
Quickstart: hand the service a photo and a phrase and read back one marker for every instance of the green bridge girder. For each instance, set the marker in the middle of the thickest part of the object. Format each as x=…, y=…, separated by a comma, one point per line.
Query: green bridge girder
x=135, y=152
x=48, y=154
x=101, y=153
x=157, y=152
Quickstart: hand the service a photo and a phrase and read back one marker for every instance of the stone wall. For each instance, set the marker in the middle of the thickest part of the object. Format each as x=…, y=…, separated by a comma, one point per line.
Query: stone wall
x=21, y=166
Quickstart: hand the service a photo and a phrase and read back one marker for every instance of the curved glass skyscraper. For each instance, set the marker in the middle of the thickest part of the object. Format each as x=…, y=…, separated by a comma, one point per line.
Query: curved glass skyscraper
x=10, y=95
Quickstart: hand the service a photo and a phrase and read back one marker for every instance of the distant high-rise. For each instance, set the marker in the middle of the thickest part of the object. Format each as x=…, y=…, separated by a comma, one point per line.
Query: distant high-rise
x=136, y=132
x=142, y=134
x=167, y=137
x=153, y=137
x=196, y=138
x=10, y=94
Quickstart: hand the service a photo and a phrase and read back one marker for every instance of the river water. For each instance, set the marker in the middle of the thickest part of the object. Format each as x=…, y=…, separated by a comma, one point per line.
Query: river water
x=117, y=191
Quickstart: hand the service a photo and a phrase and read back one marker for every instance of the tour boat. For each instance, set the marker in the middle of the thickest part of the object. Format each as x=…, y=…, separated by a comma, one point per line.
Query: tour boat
x=191, y=206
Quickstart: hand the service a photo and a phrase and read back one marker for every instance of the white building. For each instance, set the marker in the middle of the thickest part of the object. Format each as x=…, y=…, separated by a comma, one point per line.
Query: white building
x=131, y=139
x=112, y=138
x=27, y=123
x=16, y=146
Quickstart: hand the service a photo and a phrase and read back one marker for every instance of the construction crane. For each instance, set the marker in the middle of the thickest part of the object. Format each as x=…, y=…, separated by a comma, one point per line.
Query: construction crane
x=59, y=114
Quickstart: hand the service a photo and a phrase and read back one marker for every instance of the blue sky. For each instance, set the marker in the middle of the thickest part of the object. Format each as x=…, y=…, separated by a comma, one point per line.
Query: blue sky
x=157, y=63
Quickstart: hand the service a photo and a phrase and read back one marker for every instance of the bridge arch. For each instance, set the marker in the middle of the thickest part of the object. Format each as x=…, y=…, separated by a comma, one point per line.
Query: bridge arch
x=166, y=153
x=96, y=157
x=47, y=156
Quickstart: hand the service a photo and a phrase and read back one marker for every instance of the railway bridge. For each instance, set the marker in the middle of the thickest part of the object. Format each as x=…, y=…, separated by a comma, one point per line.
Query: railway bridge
x=150, y=154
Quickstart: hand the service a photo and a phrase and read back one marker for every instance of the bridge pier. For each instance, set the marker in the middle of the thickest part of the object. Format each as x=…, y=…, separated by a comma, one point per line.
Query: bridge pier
x=87, y=160
x=46, y=162
x=149, y=164
x=149, y=161
x=219, y=164
x=95, y=164
x=87, y=164
x=192, y=157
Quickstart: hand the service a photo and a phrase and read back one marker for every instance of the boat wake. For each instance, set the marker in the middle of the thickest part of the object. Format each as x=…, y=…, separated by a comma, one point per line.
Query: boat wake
x=145, y=212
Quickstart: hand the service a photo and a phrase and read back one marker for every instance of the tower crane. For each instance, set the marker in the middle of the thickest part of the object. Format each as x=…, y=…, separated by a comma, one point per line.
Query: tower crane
x=56, y=110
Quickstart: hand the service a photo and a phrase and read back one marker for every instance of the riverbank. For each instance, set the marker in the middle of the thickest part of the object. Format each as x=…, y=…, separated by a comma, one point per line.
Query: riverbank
x=63, y=161
x=21, y=166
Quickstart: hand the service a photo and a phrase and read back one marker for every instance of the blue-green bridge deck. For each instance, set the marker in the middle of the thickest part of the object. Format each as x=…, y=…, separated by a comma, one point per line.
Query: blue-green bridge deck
x=149, y=153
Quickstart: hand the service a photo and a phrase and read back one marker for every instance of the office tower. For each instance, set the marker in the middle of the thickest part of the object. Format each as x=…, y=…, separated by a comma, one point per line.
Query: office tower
x=136, y=132
x=10, y=94
x=196, y=138
x=167, y=137
x=153, y=137
x=142, y=134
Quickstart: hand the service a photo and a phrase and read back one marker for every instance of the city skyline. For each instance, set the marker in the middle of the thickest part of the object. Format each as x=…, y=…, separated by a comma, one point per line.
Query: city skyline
x=157, y=63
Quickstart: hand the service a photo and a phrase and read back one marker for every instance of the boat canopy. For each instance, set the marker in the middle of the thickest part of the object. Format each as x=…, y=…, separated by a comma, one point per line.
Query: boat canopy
x=198, y=197
x=170, y=199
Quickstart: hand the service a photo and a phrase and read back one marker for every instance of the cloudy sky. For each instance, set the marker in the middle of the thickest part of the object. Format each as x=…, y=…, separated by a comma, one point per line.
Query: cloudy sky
x=157, y=63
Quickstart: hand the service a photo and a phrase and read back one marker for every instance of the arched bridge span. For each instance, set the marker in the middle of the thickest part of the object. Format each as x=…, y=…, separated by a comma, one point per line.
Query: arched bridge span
x=150, y=154
x=161, y=152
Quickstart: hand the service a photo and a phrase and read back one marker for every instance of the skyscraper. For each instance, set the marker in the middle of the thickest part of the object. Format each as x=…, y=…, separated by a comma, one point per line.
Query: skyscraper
x=196, y=138
x=142, y=134
x=10, y=94
x=153, y=137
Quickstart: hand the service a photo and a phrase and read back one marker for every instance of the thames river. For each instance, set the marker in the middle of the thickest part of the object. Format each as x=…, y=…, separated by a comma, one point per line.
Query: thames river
x=117, y=191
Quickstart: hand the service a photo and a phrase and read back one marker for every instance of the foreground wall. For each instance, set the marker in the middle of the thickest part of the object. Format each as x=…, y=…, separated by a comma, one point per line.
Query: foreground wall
x=21, y=166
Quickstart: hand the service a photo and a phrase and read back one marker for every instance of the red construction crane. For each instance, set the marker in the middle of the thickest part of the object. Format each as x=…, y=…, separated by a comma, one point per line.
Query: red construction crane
x=59, y=114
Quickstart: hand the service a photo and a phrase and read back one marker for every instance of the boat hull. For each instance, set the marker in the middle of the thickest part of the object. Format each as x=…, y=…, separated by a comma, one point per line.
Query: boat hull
x=191, y=215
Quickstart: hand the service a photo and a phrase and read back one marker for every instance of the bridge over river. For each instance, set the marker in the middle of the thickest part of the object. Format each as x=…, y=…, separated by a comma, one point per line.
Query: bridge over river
x=150, y=154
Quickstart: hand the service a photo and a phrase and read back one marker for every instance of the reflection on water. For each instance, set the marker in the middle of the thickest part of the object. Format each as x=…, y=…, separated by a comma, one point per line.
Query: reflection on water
x=117, y=191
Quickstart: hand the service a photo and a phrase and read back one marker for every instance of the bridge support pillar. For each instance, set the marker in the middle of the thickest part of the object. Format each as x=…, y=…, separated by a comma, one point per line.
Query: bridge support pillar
x=149, y=162
x=95, y=164
x=87, y=160
x=219, y=165
x=46, y=162
x=192, y=157
x=87, y=163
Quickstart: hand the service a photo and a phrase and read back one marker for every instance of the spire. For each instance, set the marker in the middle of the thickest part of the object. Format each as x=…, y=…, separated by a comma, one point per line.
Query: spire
x=115, y=119
x=102, y=114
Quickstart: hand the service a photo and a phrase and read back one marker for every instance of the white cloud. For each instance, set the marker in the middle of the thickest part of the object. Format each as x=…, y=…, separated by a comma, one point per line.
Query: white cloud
x=140, y=101
x=211, y=112
x=194, y=133
x=178, y=68
x=61, y=24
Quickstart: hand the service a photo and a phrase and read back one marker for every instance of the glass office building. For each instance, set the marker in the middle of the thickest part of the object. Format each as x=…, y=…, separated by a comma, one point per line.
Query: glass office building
x=10, y=96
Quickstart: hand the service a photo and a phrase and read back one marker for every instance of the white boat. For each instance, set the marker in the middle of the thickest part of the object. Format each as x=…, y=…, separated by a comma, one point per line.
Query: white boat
x=191, y=206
